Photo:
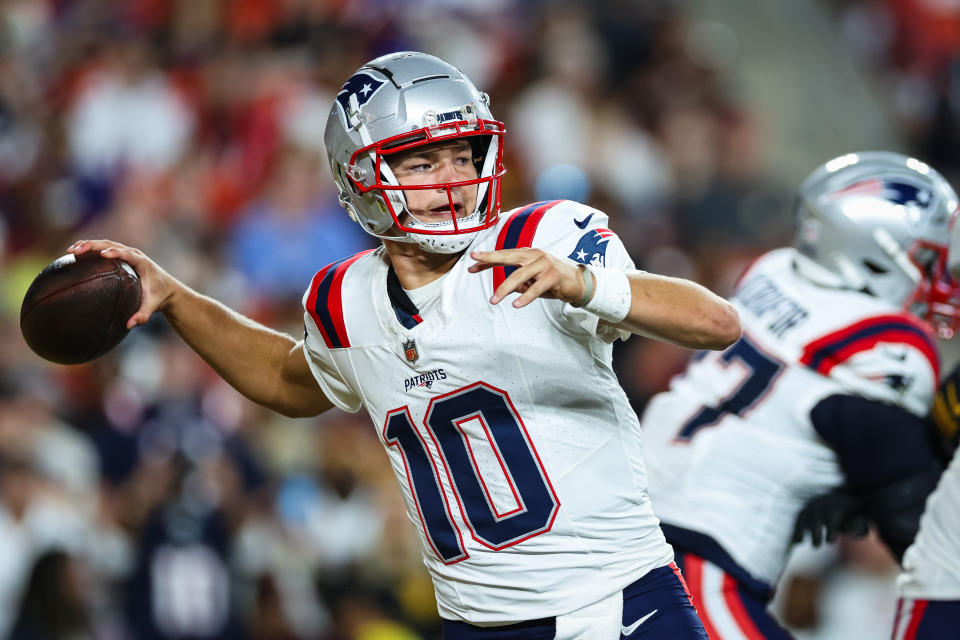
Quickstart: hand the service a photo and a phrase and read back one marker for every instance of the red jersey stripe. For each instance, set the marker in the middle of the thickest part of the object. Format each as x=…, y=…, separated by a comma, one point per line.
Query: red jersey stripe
x=518, y=233
x=325, y=303
x=335, y=299
x=916, y=616
x=732, y=597
x=836, y=347
x=312, y=304
x=694, y=569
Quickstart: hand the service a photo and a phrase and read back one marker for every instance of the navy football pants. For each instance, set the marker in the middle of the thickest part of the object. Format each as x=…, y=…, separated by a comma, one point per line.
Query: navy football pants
x=655, y=607
x=926, y=619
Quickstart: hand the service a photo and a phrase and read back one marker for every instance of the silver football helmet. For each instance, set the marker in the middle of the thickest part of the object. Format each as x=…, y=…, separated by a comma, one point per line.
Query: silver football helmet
x=393, y=104
x=880, y=222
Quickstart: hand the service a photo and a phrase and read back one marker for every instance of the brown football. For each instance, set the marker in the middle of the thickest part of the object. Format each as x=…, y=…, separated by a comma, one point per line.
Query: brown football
x=77, y=308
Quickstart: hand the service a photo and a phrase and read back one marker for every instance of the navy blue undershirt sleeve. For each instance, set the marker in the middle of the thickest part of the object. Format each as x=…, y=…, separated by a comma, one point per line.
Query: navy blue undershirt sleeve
x=888, y=461
x=876, y=443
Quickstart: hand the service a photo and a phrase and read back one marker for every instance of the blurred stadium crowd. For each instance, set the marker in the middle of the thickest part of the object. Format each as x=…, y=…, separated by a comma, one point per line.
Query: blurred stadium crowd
x=140, y=497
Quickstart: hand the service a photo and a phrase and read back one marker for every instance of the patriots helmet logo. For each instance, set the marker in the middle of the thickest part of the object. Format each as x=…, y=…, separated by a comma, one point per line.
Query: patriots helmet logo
x=895, y=192
x=362, y=85
x=915, y=199
x=592, y=248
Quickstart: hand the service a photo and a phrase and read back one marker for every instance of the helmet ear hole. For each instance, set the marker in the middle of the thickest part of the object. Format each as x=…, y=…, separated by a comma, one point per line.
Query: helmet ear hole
x=341, y=178
x=875, y=268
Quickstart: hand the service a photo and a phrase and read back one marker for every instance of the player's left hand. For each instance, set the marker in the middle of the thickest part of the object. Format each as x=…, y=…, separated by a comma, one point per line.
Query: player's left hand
x=538, y=275
x=827, y=516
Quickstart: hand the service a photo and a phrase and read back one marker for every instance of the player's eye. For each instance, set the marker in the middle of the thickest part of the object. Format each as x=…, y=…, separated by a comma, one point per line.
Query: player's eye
x=417, y=165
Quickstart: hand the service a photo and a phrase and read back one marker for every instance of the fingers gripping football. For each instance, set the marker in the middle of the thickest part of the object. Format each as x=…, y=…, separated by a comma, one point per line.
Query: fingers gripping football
x=157, y=285
x=538, y=274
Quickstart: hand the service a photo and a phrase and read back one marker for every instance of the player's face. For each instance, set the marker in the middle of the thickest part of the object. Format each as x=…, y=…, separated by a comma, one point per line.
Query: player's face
x=443, y=162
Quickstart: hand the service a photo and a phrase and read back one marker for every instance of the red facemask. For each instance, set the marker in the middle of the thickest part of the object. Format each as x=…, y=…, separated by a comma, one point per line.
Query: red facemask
x=458, y=130
x=937, y=292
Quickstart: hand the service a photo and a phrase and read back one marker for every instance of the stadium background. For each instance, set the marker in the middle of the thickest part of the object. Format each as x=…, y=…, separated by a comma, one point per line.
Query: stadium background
x=142, y=498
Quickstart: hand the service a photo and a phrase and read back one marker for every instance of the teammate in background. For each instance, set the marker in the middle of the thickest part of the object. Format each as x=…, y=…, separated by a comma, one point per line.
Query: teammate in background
x=517, y=452
x=828, y=387
x=929, y=584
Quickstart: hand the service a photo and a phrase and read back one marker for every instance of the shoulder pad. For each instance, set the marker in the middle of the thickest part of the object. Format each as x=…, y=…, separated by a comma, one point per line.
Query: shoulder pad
x=576, y=231
x=324, y=301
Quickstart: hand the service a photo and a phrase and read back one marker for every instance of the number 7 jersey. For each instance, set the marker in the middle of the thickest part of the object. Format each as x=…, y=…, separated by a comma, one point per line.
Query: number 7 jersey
x=515, y=448
x=732, y=453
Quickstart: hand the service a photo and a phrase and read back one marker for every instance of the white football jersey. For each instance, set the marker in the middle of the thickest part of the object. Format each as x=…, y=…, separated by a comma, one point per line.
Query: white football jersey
x=515, y=447
x=732, y=454
x=931, y=566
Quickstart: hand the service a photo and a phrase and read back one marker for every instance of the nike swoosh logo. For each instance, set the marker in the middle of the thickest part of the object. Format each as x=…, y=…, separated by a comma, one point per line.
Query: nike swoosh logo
x=583, y=223
x=626, y=631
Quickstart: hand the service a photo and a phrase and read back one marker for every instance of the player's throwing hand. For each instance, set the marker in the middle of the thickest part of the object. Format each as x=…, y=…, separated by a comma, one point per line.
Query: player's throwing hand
x=156, y=284
x=538, y=274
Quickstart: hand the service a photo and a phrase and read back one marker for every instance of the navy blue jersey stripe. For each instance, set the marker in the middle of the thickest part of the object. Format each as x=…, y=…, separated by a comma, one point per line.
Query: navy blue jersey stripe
x=514, y=229
x=322, y=308
x=832, y=349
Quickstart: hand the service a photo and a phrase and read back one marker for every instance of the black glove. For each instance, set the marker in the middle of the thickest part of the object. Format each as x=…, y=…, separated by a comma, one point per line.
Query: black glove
x=832, y=514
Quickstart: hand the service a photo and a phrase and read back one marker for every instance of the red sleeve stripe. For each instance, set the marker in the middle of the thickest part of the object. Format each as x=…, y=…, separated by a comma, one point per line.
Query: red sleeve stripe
x=825, y=353
x=325, y=303
x=518, y=233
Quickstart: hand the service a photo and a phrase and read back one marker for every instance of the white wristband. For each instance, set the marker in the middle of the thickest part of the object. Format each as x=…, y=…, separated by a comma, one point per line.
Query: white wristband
x=611, y=301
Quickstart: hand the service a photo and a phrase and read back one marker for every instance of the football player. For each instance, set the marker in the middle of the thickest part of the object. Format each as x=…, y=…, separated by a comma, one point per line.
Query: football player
x=929, y=584
x=480, y=345
x=827, y=389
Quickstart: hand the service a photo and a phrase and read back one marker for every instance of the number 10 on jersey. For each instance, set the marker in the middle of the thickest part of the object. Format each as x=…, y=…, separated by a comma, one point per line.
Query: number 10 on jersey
x=481, y=443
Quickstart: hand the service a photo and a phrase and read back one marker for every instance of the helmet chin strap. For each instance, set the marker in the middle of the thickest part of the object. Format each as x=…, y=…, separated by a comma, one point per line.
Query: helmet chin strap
x=818, y=274
x=889, y=244
x=445, y=243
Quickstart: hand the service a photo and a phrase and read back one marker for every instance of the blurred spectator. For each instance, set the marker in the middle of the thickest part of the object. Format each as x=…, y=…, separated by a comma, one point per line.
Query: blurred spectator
x=55, y=604
x=296, y=228
x=127, y=117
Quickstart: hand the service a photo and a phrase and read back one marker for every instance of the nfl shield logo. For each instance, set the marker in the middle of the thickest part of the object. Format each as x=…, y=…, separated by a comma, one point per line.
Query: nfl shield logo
x=410, y=351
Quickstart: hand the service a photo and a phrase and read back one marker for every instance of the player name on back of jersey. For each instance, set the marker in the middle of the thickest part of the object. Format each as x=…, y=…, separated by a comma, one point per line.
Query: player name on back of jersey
x=762, y=297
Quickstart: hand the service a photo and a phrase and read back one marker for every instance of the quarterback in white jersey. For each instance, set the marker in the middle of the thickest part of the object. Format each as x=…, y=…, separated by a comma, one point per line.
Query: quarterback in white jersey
x=827, y=388
x=480, y=345
x=504, y=454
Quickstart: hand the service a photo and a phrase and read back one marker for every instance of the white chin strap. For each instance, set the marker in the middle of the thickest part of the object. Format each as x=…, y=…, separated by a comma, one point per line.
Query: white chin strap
x=445, y=243
x=824, y=277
